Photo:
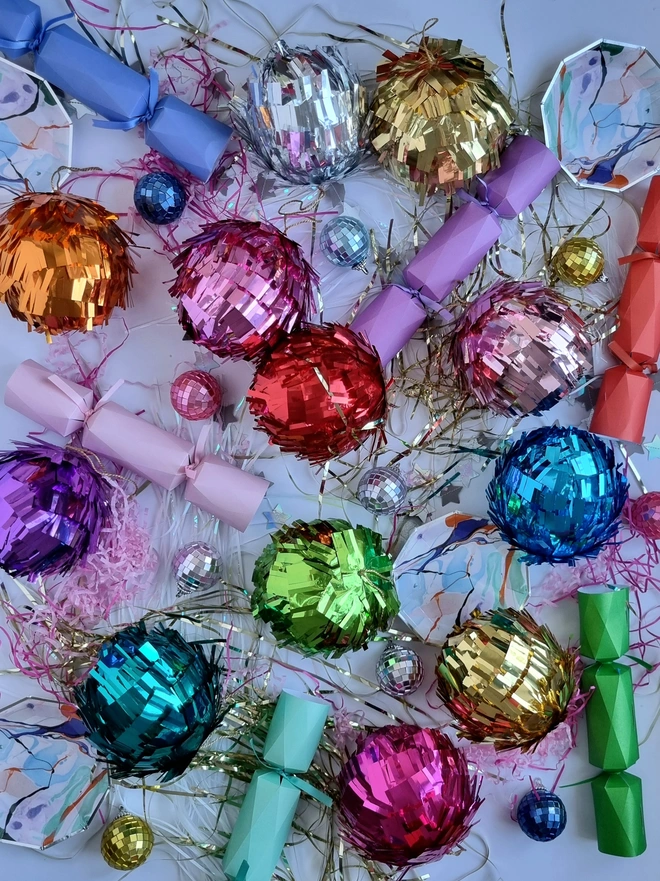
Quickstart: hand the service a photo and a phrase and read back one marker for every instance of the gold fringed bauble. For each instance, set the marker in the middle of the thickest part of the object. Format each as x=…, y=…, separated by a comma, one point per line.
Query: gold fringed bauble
x=127, y=842
x=438, y=117
x=578, y=262
x=505, y=679
x=64, y=262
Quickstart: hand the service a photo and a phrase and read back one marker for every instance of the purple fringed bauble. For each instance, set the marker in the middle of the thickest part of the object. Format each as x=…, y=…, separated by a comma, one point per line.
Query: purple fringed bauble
x=53, y=506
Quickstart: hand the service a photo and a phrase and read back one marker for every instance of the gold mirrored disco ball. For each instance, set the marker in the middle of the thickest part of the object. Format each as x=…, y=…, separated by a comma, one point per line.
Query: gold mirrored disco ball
x=127, y=842
x=578, y=262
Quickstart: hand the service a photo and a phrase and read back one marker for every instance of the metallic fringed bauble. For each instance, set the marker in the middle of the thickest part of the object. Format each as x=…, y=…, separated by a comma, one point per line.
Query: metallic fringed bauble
x=406, y=796
x=241, y=286
x=159, y=197
x=196, y=395
x=150, y=702
x=53, y=507
x=127, y=842
x=382, y=490
x=195, y=565
x=325, y=587
x=518, y=349
x=557, y=494
x=645, y=515
x=399, y=670
x=578, y=262
x=303, y=114
x=438, y=117
x=345, y=242
x=64, y=262
x=541, y=815
x=320, y=393
x=505, y=679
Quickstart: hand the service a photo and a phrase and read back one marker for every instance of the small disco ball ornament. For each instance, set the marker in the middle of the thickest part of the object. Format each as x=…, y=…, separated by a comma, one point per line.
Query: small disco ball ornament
x=195, y=565
x=127, y=842
x=382, y=490
x=541, y=815
x=196, y=395
x=64, y=262
x=557, y=493
x=399, y=670
x=159, y=197
x=645, y=515
x=579, y=262
x=345, y=242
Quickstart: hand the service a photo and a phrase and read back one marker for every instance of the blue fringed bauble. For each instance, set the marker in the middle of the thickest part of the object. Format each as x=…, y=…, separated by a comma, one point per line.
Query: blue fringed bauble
x=345, y=242
x=150, y=702
x=557, y=494
x=541, y=815
x=159, y=197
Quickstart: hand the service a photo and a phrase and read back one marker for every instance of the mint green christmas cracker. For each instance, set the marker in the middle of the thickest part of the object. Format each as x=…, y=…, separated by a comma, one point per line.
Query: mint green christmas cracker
x=270, y=803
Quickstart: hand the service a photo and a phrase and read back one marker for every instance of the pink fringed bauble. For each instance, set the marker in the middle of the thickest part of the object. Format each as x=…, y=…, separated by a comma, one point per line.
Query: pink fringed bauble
x=406, y=796
x=518, y=349
x=645, y=515
x=242, y=286
x=196, y=395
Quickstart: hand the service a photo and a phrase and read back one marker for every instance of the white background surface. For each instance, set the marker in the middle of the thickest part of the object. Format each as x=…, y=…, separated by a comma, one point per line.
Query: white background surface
x=541, y=33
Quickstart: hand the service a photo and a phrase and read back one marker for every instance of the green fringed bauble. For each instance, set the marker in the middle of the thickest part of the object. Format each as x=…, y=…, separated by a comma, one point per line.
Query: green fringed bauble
x=325, y=587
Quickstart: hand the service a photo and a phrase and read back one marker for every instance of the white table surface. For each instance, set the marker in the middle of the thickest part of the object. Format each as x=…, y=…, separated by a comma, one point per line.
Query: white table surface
x=541, y=33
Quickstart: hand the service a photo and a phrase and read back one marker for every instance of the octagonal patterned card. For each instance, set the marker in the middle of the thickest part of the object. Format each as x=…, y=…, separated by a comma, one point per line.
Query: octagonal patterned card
x=601, y=115
x=51, y=783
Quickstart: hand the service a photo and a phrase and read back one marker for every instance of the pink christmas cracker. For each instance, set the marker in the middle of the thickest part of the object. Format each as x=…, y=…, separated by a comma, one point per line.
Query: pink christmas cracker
x=461, y=243
x=229, y=493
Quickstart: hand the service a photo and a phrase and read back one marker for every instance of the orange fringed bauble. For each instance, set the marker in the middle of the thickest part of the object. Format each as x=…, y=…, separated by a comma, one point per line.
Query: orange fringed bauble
x=64, y=262
x=320, y=393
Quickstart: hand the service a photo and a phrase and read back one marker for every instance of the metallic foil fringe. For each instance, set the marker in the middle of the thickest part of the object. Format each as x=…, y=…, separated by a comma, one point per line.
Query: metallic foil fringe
x=64, y=262
x=304, y=114
x=505, y=679
x=325, y=587
x=438, y=118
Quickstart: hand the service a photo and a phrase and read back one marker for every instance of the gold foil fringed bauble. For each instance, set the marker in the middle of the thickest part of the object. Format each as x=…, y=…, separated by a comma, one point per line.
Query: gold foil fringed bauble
x=127, y=842
x=505, y=679
x=438, y=117
x=578, y=262
x=64, y=262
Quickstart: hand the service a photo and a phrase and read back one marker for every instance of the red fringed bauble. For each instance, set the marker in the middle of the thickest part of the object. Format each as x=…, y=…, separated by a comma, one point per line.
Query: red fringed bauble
x=320, y=393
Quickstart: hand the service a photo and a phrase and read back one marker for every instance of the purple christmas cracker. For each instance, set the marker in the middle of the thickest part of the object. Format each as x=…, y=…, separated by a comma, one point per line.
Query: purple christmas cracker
x=461, y=243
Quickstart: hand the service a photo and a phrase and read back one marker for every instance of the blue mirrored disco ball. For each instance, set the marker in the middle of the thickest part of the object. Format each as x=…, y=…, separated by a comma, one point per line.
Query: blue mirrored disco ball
x=541, y=815
x=159, y=197
x=345, y=242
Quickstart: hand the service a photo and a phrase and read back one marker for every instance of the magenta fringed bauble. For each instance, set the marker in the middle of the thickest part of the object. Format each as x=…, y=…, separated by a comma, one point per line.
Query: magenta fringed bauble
x=406, y=796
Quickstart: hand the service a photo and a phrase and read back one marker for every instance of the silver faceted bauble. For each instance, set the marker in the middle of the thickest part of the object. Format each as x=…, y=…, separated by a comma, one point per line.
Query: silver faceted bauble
x=382, y=491
x=195, y=565
x=399, y=670
x=345, y=242
x=303, y=114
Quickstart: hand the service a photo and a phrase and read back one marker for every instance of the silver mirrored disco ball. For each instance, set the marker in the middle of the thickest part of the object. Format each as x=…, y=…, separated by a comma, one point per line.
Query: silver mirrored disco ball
x=382, y=490
x=399, y=670
x=194, y=566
